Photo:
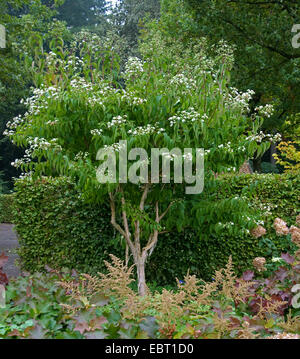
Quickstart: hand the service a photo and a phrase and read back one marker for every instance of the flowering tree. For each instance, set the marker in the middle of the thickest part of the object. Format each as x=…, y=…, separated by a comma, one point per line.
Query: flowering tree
x=170, y=99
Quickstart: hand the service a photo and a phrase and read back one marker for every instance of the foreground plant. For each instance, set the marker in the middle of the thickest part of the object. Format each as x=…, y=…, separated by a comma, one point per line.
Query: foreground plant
x=69, y=305
x=228, y=307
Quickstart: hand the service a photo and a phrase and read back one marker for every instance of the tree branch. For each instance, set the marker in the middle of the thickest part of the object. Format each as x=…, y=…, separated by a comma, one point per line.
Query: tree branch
x=144, y=197
x=154, y=237
x=271, y=48
x=125, y=233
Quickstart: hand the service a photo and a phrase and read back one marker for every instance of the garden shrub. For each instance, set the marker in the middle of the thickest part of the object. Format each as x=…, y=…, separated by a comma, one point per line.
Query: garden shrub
x=6, y=205
x=58, y=229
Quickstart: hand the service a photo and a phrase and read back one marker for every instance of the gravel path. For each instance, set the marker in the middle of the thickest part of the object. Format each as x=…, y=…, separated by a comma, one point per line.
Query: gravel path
x=8, y=244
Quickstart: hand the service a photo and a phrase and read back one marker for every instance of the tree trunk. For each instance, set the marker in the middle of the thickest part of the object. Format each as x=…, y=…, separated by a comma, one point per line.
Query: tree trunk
x=142, y=286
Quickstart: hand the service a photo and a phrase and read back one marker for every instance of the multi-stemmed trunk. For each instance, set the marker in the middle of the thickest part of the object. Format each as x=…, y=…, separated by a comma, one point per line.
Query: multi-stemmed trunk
x=140, y=254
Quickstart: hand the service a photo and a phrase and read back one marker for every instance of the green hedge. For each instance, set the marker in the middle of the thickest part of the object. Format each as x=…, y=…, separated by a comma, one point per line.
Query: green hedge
x=58, y=229
x=204, y=255
x=6, y=208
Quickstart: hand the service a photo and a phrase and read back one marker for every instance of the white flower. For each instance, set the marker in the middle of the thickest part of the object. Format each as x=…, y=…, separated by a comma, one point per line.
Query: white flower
x=276, y=259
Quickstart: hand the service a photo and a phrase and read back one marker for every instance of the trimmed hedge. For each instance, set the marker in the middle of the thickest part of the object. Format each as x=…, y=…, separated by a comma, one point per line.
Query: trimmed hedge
x=57, y=228
x=6, y=208
x=279, y=192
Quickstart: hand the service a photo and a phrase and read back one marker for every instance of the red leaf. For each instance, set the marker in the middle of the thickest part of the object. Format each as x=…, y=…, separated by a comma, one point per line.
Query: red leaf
x=288, y=258
x=3, y=260
x=82, y=327
x=3, y=278
x=248, y=275
x=281, y=273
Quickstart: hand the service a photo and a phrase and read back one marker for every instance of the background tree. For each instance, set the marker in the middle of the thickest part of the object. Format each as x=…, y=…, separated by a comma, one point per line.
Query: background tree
x=128, y=17
x=265, y=60
x=82, y=13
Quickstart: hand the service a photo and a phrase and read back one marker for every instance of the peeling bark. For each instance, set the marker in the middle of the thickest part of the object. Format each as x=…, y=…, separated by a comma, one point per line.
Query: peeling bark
x=139, y=255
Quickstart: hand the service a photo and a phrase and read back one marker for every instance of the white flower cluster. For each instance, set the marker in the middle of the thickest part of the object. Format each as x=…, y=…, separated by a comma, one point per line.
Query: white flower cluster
x=42, y=143
x=87, y=40
x=52, y=60
x=226, y=225
x=187, y=116
x=81, y=155
x=134, y=68
x=238, y=99
x=16, y=121
x=224, y=50
x=268, y=137
x=96, y=93
x=117, y=147
x=35, y=144
x=96, y=132
x=73, y=64
x=52, y=123
x=118, y=120
x=143, y=130
x=181, y=80
x=173, y=156
x=35, y=104
x=19, y=162
x=79, y=83
x=131, y=98
x=25, y=175
x=265, y=111
x=267, y=208
x=227, y=148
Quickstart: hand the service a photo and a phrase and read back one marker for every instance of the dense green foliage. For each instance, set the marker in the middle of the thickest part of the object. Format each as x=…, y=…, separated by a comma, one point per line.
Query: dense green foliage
x=79, y=13
x=6, y=208
x=261, y=32
x=129, y=17
x=57, y=228
x=273, y=196
x=33, y=307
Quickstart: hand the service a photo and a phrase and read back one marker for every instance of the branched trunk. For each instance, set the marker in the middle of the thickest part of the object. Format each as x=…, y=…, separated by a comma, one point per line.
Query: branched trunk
x=139, y=254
